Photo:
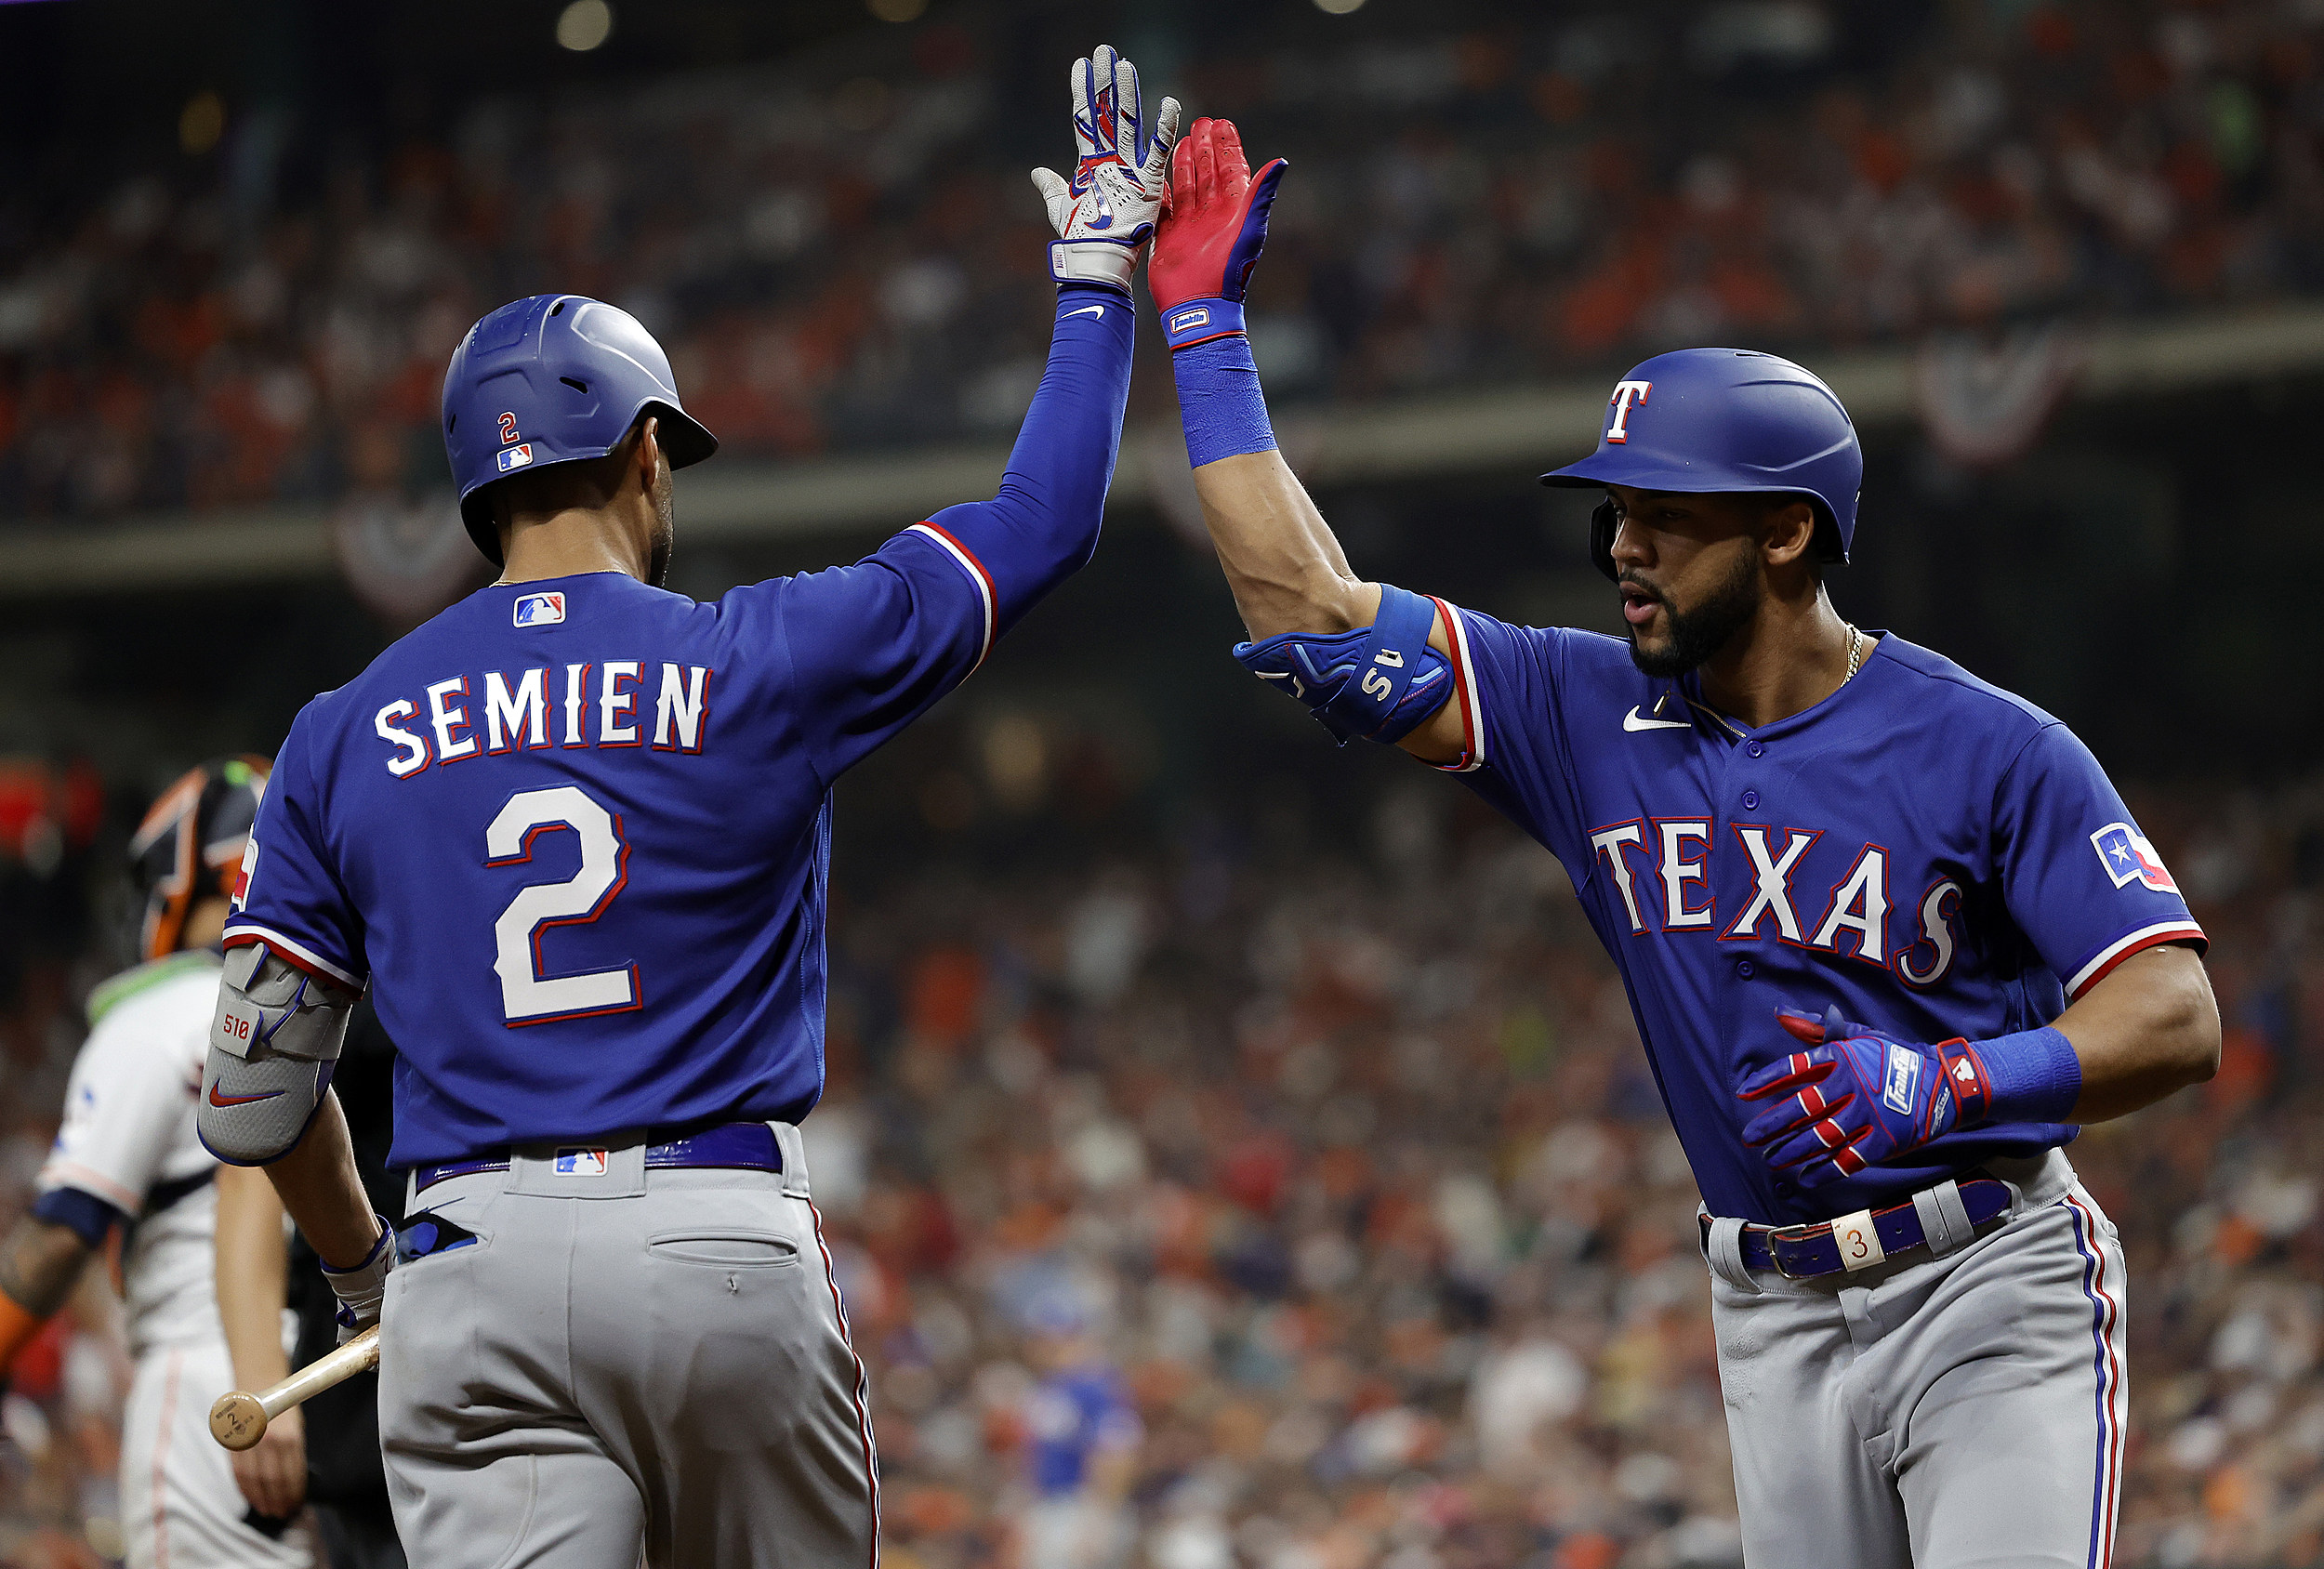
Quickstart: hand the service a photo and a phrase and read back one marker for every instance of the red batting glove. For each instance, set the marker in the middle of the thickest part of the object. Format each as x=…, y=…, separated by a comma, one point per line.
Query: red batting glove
x=1210, y=237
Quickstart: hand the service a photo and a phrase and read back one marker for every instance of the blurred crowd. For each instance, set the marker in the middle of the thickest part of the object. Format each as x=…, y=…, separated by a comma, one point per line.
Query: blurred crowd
x=1258, y=1204
x=844, y=254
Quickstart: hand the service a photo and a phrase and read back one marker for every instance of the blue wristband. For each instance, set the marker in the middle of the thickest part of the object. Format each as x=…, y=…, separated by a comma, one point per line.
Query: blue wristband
x=1220, y=400
x=1199, y=321
x=2036, y=1076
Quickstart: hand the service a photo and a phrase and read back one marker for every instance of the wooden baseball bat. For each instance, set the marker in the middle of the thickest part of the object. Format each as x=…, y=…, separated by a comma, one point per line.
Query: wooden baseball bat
x=239, y=1417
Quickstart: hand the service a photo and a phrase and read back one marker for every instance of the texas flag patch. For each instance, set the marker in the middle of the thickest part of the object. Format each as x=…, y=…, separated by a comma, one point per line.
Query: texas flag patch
x=242, y=875
x=540, y=610
x=2128, y=858
x=515, y=456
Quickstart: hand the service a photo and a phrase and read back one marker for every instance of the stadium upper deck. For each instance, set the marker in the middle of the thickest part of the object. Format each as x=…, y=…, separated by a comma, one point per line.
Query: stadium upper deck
x=841, y=258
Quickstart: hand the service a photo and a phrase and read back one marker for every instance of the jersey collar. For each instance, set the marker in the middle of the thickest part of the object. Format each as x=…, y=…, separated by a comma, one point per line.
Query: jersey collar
x=1725, y=727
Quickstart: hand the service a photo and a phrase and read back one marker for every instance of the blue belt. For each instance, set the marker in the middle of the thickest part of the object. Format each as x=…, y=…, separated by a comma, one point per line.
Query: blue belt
x=1804, y=1252
x=749, y=1146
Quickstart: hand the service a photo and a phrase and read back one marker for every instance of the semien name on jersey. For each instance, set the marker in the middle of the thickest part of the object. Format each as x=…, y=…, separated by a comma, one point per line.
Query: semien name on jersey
x=596, y=704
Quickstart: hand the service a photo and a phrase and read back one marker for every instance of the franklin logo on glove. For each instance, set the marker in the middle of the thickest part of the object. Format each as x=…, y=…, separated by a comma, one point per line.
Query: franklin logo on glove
x=1904, y=1071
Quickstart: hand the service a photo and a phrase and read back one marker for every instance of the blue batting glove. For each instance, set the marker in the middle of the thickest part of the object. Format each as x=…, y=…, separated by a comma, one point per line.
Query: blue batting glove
x=1854, y=1098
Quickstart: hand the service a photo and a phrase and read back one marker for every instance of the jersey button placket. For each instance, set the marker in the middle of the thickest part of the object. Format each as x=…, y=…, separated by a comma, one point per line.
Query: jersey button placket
x=1744, y=968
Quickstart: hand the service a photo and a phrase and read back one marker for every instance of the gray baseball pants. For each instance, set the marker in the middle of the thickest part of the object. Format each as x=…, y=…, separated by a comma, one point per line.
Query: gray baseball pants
x=632, y=1366
x=1934, y=1413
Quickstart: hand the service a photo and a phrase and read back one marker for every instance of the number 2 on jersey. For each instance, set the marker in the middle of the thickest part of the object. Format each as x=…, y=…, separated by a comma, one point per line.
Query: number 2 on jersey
x=527, y=996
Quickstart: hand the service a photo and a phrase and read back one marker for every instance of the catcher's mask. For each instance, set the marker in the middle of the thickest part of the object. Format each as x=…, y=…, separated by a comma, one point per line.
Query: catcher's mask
x=190, y=845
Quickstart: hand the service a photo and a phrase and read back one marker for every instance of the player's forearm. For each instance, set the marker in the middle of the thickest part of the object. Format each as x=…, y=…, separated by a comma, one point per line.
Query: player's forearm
x=318, y=1183
x=252, y=1267
x=1283, y=563
x=39, y=1264
x=2149, y=1029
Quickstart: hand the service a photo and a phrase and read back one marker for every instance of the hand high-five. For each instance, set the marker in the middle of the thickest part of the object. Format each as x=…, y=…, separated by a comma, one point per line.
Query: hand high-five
x=1105, y=214
x=1212, y=234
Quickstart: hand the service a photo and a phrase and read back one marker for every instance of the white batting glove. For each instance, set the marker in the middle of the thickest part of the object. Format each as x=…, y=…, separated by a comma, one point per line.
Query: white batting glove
x=360, y=1289
x=1104, y=215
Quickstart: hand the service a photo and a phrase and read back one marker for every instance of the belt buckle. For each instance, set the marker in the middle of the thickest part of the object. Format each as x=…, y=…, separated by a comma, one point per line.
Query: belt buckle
x=1779, y=1235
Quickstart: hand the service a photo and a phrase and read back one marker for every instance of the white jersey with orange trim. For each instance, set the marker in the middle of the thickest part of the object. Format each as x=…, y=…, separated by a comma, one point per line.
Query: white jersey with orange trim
x=127, y=1142
x=1933, y=855
x=127, y=1139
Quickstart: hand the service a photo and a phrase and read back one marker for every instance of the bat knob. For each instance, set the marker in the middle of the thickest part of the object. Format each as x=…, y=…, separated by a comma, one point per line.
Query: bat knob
x=238, y=1420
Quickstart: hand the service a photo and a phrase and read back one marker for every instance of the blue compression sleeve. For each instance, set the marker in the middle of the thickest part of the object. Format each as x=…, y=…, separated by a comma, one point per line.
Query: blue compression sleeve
x=1220, y=400
x=1042, y=525
x=84, y=1215
x=2036, y=1076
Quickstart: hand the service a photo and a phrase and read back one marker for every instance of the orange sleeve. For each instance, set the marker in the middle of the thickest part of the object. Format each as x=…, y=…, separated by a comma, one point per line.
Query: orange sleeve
x=16, y=1326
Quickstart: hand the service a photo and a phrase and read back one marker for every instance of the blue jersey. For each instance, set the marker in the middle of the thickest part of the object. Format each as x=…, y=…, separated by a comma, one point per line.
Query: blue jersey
x=1935, y=855
x=1078, y=1413
x=575, y=833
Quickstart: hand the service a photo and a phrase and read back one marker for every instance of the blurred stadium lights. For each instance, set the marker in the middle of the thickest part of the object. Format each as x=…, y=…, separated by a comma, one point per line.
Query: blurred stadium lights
x=584, y=25
x=202, y=124
x=1339, y=7
x=897, y=10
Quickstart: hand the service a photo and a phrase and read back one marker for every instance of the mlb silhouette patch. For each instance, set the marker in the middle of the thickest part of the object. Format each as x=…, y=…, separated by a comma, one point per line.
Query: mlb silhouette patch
x=2128, y=858
x=540, y=610
x=515, y=458
x=580, y=1163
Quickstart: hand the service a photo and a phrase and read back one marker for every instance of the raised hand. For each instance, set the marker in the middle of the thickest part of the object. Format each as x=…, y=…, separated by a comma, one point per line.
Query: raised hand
x=1106, y=213
x=1210, y=237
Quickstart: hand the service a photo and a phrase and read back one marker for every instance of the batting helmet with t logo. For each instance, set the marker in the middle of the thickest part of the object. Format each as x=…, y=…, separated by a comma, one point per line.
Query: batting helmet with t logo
x=1725, y=419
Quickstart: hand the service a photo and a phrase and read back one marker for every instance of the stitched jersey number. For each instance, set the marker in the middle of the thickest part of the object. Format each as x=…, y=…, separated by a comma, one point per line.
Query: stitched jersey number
x=527, y=996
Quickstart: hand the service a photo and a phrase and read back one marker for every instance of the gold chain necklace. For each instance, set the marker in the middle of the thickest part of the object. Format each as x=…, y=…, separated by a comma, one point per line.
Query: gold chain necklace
x=1855, y=651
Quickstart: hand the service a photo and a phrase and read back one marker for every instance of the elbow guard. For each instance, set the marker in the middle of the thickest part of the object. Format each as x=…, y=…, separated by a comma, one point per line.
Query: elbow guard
x=1378, y=682
x=273, y=1043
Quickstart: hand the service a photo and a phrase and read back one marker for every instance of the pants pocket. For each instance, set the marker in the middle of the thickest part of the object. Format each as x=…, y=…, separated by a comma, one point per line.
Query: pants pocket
x=725, y=1249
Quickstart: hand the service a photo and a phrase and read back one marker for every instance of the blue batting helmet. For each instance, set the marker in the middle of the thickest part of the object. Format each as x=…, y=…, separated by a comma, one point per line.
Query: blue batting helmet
x=1725, y=419
x=555, y=379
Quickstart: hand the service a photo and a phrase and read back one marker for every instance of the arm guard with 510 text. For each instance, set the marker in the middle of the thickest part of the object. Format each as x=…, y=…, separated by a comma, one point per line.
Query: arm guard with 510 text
x=273, y=1042
x=1378, y=682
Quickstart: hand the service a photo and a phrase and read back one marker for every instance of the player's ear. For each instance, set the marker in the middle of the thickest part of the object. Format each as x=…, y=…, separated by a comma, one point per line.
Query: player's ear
x=1787, y=532
x=648, y=457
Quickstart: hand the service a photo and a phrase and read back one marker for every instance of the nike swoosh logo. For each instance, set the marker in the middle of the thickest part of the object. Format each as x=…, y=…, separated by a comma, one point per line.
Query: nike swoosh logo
x=226, y=1101
x=1098, y=311
x=1631, y=721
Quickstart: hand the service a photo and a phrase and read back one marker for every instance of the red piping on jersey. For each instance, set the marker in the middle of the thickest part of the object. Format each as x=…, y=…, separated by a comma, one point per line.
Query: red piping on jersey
x=983, y=582
x=245, y=937
x=2189, y=932
x=1470, y=755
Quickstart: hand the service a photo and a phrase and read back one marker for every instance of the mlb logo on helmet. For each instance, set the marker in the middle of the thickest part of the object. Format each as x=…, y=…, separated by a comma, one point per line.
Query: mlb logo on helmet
x=580, y=1163
x=516, y=457
x=540, y=610
x=2128, y=857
